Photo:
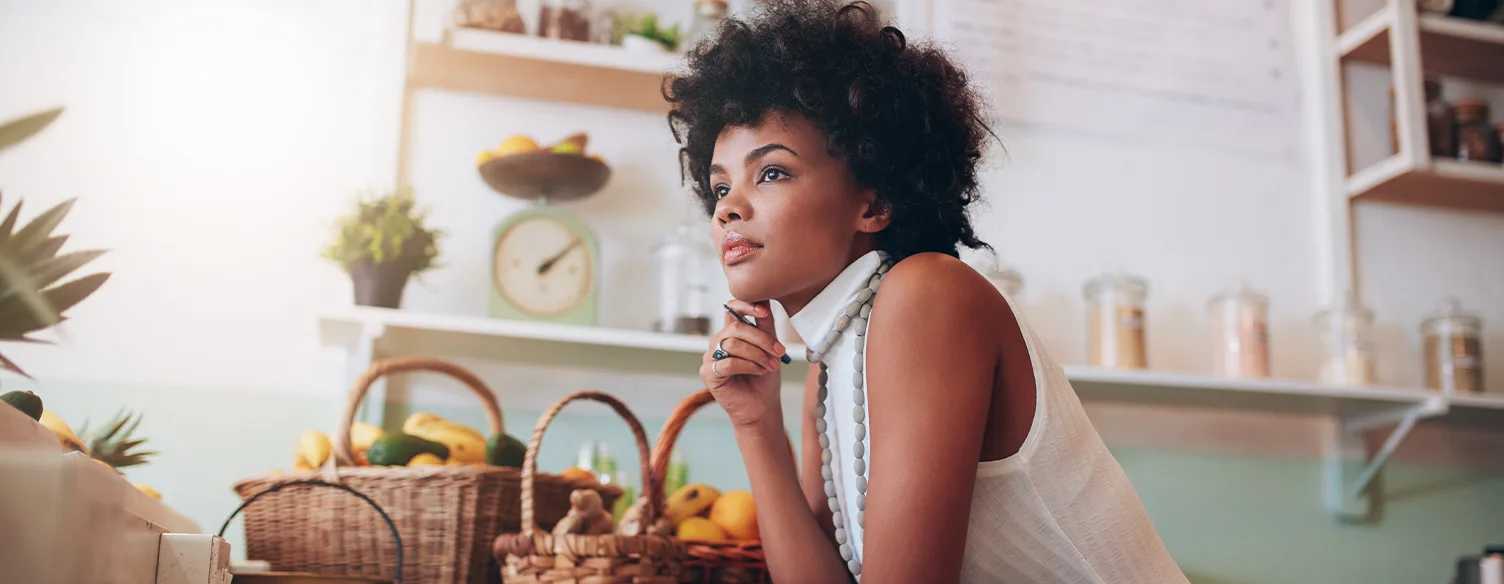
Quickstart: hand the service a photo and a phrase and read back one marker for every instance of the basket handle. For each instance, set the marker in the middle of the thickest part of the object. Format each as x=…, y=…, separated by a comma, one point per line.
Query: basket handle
x=530, y=463
x=389, y=525
x=345, y=454
x=669, y=435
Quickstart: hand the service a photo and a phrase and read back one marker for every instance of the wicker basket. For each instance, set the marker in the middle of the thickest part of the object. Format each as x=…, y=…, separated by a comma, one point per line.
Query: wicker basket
x=721, y=562
x=534, y=555
x=447, y=515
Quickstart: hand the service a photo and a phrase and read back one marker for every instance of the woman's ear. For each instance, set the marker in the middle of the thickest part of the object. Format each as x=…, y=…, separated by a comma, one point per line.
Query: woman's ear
x=877, y=216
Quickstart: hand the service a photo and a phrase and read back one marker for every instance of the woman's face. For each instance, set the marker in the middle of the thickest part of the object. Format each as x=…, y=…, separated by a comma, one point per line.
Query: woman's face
x=789, y=216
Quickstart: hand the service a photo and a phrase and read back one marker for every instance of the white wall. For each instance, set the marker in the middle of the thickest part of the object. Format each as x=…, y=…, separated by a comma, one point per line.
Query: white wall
x=211, y=146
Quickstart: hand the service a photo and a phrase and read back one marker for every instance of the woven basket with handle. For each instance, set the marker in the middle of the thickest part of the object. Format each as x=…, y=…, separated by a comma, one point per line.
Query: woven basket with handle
x=534, y=555
x=447, y=515
x=719, y=562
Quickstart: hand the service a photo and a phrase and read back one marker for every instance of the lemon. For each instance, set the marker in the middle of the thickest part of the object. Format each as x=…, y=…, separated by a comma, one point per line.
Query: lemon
x=736, y=513
x=517, y=145
x=700, y=529
x=425, y=459
x=150, y=492
x=484, y=157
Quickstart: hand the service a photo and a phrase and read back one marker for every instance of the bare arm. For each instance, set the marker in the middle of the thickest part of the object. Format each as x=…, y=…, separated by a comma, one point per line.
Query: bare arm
x=930, y=372
x=799, y=547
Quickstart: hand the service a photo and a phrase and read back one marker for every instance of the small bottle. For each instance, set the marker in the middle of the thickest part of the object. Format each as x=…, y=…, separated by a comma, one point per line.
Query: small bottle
x=677, y=474
x=1453, y=349
x=683, y=262
x=1346, y=331
x=1476, y=137
x=1240, y=333
x=1115, y=321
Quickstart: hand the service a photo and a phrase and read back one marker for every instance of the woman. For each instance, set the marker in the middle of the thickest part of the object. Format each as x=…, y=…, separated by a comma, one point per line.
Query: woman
x=837, y=160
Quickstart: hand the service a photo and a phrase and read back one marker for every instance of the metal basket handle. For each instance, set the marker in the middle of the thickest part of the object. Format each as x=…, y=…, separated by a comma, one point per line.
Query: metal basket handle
x=311, y=483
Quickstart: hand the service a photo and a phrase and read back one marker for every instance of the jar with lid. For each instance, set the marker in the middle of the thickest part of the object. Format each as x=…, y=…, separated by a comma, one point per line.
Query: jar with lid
x=1476, y=138
x=709, y=14
x=1240, y=333
x=1007, y=280
x=497, y=15
x=564, y=19
x=1440, y=122
x=1115, y=321
x=1453, y=349
x=1347, y=345
x=683, y=261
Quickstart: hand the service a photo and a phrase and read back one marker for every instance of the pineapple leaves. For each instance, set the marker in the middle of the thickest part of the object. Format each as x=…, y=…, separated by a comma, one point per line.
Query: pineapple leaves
x=37, y=234
x=8, y=365
x=9, y=224
x=17, y=319
x=17, y=131
x=116, y=446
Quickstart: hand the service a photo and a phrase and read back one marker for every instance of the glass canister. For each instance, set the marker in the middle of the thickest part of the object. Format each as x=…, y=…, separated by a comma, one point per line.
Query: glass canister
x=1476, y=139
x=497, y=15
x=709, y=14
x=1007, y=280
x=1440, y=122
x=1453, y=352
x=564, y=19
x=683, y=261
x=1240, y=333
x=1347, y=345
x=1115, y=321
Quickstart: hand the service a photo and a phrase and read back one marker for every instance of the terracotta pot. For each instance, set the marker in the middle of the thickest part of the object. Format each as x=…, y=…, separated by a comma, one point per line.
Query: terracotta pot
x=379, y=285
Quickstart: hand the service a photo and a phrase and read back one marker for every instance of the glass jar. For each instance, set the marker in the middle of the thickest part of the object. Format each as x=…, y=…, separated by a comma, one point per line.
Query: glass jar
x=497, y=15
x=1453, y=350
x=1346, y=331
x=564, y=19
x=709, y=14
x=683, y=261
x=1240, y=333
x=1440, y=122
x=1115, y=321
x=1007, y=280
x=1476, y=139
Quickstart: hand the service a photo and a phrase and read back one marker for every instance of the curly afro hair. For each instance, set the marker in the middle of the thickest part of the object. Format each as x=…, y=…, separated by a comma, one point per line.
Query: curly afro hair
x=902, y=116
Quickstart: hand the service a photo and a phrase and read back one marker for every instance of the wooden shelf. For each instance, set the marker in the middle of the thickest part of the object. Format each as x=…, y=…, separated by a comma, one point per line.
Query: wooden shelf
x=1451, y=47
x=537, y=68
x=1454, y=184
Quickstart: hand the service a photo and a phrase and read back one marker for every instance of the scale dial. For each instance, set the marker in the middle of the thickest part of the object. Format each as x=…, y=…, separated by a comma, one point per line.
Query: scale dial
x=543, y=266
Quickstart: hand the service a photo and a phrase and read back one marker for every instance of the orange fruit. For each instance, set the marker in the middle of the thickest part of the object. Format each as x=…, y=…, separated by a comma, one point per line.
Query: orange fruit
x=517, y=145
x=575, y=472
x=737, y=514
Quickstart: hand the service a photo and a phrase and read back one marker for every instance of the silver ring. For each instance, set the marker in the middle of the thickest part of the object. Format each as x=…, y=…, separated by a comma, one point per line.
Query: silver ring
x=717, y=372
x=719, y=353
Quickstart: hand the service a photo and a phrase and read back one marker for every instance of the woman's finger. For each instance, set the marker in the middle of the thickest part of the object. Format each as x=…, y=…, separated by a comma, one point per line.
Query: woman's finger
x=762, y=311
x=719, y=371
x=738, y=347
x=754, y=336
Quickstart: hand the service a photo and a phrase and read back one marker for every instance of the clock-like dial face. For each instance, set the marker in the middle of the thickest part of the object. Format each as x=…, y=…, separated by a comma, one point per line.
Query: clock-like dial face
x=542, y=267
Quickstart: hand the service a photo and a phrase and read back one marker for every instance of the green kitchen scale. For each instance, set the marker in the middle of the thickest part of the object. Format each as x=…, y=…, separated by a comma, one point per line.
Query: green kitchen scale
x=545, y=261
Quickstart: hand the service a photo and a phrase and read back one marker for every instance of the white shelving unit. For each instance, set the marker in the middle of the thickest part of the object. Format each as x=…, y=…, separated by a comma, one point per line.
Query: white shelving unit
x=402, y=332
x=1411, y=44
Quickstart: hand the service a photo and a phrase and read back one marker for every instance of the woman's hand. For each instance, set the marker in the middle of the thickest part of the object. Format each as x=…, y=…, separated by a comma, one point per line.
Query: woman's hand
x=746, y=380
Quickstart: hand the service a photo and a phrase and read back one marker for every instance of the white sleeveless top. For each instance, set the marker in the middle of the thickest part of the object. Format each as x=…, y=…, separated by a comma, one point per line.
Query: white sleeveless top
x=1059, y=511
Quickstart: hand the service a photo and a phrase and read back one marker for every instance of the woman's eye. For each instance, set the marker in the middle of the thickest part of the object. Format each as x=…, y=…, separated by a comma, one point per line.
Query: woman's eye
x=721, y=191
x=773, y=174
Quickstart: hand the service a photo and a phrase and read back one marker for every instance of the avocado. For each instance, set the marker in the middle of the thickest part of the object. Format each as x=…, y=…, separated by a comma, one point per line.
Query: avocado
x=504, y=450
x=25, y=401
x=396, y=449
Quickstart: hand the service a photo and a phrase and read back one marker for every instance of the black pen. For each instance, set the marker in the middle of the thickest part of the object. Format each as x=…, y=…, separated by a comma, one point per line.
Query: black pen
x=785, y=358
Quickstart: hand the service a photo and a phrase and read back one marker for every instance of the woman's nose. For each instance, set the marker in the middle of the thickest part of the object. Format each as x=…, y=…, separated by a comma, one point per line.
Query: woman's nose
x=732, y=207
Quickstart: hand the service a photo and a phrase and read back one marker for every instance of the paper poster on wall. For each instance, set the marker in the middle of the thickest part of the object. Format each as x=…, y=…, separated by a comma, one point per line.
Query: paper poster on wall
x=1217, y=72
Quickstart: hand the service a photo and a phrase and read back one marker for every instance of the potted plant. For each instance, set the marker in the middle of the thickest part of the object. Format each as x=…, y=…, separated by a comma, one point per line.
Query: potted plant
x=33, y=295
x=381, y=243
x=644, y=34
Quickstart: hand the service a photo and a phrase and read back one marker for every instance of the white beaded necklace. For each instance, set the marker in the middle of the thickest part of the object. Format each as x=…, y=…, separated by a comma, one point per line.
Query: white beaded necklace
x=854, y=319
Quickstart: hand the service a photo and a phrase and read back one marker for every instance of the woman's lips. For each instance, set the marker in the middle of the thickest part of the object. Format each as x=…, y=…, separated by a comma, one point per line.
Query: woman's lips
x=735, y=249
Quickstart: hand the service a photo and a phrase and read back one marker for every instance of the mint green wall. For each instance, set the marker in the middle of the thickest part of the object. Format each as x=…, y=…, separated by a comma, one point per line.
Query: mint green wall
x=1226, y=519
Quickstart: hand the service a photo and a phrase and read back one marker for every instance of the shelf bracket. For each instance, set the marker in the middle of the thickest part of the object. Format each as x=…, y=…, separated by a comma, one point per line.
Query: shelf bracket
x=1350, y=492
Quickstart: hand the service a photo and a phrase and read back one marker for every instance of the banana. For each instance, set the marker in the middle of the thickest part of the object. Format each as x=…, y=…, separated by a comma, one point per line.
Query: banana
x=313, y=449
x=65, y=436
x=690, y=500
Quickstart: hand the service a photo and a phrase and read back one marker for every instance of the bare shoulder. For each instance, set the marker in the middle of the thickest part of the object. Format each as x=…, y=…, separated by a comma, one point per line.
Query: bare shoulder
x=936, y=292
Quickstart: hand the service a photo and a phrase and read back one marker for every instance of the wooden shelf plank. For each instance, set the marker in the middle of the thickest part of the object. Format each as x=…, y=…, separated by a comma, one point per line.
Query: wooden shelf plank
x=545, y=69
x=1451, y=47
x=1453, y=184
